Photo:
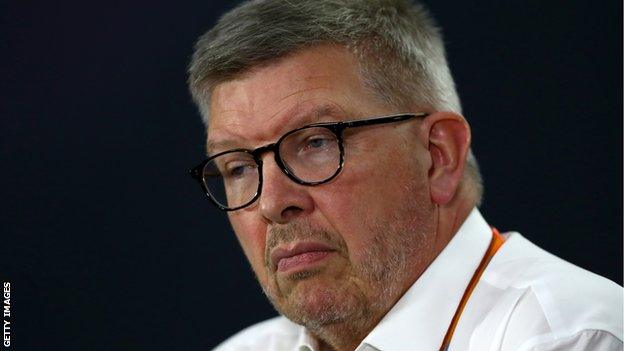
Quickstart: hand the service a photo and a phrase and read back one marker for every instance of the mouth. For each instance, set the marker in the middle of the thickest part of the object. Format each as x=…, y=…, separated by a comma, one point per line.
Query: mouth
x=299, y=256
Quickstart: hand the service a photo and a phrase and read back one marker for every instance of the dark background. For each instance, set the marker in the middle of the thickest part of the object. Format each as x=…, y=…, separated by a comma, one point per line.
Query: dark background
x=109, y=245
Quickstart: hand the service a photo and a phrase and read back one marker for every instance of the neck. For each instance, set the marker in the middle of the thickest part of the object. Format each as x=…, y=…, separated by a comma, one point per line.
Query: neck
x=450, y=218
x=344, y=336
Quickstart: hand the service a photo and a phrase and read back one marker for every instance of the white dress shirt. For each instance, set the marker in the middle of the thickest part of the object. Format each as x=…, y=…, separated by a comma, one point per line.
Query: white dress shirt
x=527, y=299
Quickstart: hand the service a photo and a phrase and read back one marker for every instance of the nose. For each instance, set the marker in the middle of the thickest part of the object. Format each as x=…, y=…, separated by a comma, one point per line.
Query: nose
x=281, y=199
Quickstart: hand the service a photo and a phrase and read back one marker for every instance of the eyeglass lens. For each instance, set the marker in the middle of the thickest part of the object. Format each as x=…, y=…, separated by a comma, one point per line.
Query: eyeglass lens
x=310, y=155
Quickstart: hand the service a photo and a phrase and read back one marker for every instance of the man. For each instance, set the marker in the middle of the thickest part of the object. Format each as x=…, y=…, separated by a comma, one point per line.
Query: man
x=337, y=147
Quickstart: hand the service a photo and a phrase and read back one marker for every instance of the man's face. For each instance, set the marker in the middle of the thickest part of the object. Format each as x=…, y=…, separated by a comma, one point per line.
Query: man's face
x=342, y=250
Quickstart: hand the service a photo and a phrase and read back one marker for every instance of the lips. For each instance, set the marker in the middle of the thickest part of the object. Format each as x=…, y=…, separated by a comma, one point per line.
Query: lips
x=298, y=255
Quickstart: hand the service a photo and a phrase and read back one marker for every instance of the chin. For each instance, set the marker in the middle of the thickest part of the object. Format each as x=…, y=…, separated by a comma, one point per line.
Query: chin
x=315, y=303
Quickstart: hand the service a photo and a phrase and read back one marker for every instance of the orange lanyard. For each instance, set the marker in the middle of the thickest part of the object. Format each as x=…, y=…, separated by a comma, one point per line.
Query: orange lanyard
x=495, y=244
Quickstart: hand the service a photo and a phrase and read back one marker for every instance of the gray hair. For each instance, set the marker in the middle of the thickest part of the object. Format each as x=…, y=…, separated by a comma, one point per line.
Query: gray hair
x=398, y=45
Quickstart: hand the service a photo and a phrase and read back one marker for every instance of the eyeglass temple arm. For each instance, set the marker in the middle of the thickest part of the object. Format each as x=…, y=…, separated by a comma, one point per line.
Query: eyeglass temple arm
x=381, y=120
x=195, y=172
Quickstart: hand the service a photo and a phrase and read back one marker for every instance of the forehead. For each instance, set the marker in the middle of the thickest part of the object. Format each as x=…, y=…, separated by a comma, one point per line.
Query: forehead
x=320, y=83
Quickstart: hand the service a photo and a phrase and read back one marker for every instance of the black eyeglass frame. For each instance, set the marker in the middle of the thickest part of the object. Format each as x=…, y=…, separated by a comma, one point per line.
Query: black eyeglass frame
x=337, y=128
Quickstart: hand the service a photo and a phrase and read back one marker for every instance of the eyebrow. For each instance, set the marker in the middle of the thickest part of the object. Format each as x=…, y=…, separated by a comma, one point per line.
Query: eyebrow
x=220, y=145
x=302, y=118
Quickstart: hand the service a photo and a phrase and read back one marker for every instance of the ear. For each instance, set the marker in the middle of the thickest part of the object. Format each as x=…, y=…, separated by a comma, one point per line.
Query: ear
x=449, y=140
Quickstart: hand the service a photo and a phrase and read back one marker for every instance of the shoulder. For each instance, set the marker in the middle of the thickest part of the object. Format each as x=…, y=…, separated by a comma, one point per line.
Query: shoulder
x=550, y=300
x=566, y=292
x=277, y=333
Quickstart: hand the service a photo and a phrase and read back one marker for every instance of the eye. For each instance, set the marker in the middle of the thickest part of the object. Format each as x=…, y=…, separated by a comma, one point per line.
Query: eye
x=318, y=142
x=238, y=169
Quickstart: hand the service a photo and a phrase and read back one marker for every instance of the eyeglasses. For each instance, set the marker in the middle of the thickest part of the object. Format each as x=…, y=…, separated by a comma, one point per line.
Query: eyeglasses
x=310, y=155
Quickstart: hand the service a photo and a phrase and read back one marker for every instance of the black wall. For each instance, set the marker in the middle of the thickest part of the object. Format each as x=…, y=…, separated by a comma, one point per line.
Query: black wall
x=109, y=245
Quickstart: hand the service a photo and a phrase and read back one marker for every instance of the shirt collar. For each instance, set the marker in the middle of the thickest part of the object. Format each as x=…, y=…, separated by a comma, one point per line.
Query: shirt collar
x=420, y=319
x=305, y=342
